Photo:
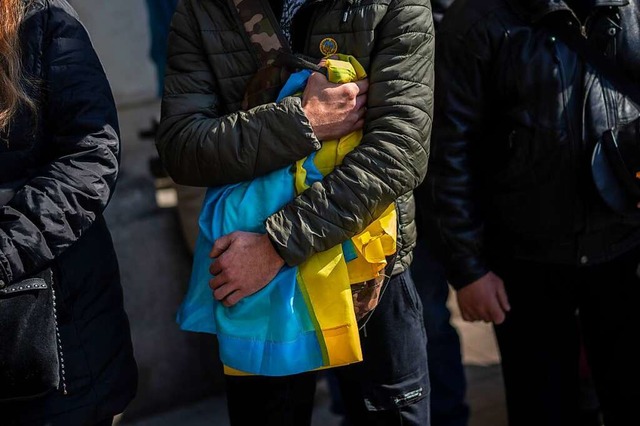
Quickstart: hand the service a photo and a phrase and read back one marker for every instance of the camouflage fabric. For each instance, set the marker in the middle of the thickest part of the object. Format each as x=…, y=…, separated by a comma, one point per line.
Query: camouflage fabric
x=268, y=43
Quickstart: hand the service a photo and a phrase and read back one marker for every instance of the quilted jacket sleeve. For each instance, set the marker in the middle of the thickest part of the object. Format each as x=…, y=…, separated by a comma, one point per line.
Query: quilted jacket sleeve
x=64, y=198
x=199, y=144
x=461, y=101
x=392, y=158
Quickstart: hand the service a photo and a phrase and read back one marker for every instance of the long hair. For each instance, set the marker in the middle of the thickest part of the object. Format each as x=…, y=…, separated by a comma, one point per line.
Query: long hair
x=12, y=81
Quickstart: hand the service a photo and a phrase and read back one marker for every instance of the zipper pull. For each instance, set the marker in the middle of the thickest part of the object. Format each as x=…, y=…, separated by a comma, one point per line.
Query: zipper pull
x=345, y=15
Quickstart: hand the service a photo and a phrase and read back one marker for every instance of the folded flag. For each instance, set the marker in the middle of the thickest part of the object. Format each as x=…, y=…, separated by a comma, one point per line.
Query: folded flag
x=304, y=318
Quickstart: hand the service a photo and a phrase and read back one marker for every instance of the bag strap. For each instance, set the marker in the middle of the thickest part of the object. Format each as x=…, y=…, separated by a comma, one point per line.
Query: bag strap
x=603, y=64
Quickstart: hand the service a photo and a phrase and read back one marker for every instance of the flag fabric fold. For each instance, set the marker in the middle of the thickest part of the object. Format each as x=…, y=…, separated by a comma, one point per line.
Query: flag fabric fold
x=304, y=318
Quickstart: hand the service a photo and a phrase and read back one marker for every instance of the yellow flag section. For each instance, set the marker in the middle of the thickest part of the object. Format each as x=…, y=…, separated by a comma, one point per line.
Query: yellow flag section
x=326, y=277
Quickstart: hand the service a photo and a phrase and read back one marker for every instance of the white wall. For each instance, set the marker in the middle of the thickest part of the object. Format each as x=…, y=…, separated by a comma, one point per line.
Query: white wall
x=120, y=33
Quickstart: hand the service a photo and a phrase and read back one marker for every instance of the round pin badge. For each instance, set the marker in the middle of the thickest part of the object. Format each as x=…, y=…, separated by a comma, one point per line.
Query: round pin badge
x=328, y=46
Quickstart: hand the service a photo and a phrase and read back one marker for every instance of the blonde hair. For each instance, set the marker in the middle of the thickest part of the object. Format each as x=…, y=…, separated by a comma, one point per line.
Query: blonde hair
x=12, y=81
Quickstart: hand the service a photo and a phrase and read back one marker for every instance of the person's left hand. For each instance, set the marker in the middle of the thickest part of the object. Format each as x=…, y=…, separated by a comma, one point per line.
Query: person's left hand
x=244, y=264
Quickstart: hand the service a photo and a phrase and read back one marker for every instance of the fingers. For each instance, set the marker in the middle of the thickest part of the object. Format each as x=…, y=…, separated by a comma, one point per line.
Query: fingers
x=363, y=86
x=488, y=310
x=496, y=316
x=502, y=298
x=216, y=266
x=360, y=111
x=361, y=102
x=233, y=299
x=218, y=281
x=358, y=125
x=220, y=245
x=468, y=316
x=223, y=291
x=228, y=295
x=317, y=79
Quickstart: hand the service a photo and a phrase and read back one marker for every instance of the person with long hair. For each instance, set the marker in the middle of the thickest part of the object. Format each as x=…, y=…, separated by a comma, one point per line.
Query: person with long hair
x=59, y=159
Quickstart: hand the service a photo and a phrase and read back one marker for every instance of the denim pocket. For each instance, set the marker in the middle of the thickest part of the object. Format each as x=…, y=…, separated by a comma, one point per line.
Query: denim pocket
x=410, y=293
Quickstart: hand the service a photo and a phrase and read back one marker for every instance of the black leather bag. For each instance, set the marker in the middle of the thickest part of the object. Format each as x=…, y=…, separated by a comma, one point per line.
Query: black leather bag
x=29, y=349
x=30, y=357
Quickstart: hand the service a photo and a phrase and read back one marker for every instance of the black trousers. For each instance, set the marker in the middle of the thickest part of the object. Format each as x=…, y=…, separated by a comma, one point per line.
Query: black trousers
x=552, y=306
x=390, y=387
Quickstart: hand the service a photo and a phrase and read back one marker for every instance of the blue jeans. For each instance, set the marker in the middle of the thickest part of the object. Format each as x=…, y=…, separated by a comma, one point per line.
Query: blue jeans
x=390, y=387
x=448, y=383
x=160, y=14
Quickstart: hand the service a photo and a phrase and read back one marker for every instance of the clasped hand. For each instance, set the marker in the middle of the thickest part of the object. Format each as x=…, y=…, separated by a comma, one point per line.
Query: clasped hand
x=244, y=264
x=334, y=110
x=484, y=300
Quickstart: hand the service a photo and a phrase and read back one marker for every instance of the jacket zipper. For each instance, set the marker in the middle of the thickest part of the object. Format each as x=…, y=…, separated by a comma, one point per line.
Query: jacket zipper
x=63, y=379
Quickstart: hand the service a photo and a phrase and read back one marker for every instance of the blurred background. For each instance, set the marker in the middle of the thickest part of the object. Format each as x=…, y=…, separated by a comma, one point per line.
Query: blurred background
x=180, y=376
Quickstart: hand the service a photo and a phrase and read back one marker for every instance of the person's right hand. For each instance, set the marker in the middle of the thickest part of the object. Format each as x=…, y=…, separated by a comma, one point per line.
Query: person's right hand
x=334, y=110
x=484, y=300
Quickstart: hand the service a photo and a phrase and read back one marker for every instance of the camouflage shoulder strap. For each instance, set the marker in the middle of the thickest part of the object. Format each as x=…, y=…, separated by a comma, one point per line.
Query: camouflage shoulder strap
x=269, y=43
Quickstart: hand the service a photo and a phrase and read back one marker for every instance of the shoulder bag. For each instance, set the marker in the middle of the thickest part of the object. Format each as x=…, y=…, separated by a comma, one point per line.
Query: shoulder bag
x=31, y=363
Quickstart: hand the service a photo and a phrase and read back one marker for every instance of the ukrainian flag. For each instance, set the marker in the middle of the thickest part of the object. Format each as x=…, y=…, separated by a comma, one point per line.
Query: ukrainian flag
x=304, y=318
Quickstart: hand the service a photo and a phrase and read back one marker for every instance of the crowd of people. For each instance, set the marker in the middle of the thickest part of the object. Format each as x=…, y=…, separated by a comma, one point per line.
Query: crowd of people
x=504, y=133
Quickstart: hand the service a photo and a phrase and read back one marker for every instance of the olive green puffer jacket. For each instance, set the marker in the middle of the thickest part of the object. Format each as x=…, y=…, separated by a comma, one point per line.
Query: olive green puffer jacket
x=206, y=140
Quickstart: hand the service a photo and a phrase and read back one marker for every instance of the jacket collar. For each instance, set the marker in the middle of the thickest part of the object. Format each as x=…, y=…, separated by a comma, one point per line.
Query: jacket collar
x=534, y=10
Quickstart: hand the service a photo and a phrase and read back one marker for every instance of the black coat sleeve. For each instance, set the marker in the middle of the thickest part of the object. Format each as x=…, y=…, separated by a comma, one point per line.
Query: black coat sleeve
x=62, y=200
x=462, y=62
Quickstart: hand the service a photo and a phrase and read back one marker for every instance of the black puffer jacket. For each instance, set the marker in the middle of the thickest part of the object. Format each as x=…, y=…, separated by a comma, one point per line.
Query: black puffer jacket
x=204, y=139
x=517, y=117
x=68, y=163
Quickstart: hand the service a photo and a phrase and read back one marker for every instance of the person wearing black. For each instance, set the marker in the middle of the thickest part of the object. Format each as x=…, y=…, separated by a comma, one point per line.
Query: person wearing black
x=59, y=159
x=531, y=237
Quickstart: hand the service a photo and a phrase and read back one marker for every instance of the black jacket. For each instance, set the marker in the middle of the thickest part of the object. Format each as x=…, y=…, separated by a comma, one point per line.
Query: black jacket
x=517, y=117
x=206, y=140
x=65, y=159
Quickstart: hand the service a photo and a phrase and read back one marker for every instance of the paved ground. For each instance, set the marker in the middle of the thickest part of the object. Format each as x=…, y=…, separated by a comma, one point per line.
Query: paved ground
x=178, y=366
x=485, y=397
